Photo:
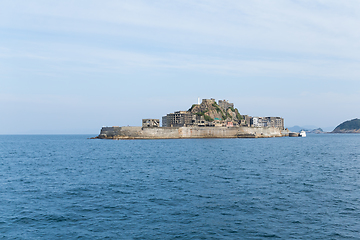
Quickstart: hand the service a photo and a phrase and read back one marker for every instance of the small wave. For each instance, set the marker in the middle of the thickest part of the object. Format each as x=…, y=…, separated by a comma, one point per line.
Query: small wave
x=269, y=235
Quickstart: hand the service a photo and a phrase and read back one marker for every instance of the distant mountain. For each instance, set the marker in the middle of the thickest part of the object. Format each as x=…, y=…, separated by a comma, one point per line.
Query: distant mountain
x=295, y=128
x=310, y=127
x=298, y=128
x=306, y=129
x=351, y=126
x=317, y=131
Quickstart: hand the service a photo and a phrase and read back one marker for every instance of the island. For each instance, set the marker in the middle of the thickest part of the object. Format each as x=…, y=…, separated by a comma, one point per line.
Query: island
x=208, y=119
x=350, y=126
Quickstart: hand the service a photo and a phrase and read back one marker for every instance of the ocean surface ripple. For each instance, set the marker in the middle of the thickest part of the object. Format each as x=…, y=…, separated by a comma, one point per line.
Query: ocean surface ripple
x=71, y=187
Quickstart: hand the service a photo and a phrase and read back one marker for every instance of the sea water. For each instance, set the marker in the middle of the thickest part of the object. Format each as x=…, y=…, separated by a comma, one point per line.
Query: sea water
x=72, y=187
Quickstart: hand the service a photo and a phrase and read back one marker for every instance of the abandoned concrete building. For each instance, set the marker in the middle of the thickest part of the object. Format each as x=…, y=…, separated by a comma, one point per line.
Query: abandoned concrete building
x=277, y=122
x=178, y=119
x=150, y=122
x=225, y=104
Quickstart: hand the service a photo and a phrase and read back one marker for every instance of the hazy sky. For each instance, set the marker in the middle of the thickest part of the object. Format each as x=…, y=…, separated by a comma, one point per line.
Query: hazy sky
x=75, y=66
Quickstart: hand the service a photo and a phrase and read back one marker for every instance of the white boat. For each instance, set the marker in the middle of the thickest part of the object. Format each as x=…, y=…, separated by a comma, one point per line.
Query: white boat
x=302, y=133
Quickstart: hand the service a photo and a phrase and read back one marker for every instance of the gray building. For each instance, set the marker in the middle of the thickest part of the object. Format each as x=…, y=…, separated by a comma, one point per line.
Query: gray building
x=164, y=121
x=150, y=123
x=245, y=121
x=225, y=104
x=177, y=119
x=276, y=122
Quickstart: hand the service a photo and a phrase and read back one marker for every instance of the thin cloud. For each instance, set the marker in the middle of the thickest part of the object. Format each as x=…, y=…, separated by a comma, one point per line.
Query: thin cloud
x=72, y=57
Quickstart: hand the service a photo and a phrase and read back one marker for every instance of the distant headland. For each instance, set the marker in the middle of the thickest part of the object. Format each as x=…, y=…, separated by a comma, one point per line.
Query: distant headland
x=208, y=119
x=351, y=126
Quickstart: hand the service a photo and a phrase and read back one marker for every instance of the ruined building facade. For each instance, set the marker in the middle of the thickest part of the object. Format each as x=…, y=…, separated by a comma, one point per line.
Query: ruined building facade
x=277, y=122
x=177, y=119
x=225, y=104
x=150, y=122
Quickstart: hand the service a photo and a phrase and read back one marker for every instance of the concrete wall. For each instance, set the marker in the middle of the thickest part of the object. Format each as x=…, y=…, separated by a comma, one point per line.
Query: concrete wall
x=187, y=132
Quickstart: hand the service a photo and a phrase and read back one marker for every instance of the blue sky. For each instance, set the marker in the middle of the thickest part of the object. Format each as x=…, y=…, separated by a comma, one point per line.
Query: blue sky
x=75, y=66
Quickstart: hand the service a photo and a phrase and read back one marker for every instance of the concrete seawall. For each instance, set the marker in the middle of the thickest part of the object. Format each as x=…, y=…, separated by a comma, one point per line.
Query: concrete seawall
x=189, y=132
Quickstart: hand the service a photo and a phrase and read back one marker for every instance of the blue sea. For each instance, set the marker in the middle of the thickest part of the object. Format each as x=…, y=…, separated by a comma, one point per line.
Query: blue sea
x=72, y=187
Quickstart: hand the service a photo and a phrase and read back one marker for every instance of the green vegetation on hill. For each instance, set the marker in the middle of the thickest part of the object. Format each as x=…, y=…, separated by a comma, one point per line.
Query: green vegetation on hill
x=348, y=126
x=192, y=107
x=228, y=115
x=214, y=111
x=208, y=118
x=238, y=114
x=201, y=113
x=217, y=107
